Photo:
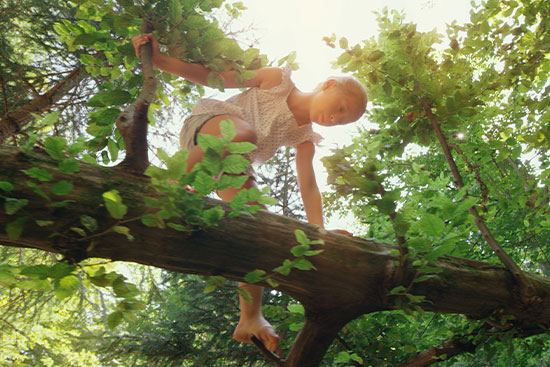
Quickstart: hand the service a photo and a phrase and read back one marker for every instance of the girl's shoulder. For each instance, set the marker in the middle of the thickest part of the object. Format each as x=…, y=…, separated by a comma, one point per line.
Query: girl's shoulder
x=275, y=79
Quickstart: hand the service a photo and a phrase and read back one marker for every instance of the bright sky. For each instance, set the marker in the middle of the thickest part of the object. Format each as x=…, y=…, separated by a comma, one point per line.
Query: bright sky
x=283, y=26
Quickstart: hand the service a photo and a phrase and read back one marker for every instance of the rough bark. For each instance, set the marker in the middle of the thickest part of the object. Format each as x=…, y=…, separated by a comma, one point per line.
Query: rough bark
x=133, y=122
x=14, y=121
x=353, y=275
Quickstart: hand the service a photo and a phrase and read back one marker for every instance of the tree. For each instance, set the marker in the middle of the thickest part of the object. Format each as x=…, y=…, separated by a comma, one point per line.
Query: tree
x=437, y=216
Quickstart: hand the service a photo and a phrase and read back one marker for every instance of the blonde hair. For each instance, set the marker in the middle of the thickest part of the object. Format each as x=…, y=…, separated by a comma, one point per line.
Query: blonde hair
x=352, y=86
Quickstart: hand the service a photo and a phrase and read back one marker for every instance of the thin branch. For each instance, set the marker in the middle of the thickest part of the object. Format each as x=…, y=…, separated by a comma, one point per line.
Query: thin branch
x=526, y=289
x=447, y=349
x=13, y=122
x=269, y=355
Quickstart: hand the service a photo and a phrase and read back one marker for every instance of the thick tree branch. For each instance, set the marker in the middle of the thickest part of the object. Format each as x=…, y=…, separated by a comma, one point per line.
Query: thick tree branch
x=353, y=275
x=133, y=122
x=527, y=292
x=14, y=121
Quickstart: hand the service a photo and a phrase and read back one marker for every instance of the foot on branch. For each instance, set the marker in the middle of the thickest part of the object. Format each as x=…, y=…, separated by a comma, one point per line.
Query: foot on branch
x=260, y=328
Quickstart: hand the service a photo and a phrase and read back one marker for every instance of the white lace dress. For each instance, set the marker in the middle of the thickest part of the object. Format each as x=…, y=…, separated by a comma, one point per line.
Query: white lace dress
x=266, y=110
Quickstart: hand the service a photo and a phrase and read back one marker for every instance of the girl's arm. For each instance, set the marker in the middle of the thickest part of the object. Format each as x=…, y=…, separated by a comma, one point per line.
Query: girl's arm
x=311, y=197
x=265, y=78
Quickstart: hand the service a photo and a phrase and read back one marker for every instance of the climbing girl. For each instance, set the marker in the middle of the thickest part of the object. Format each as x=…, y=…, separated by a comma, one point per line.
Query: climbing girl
x=271, y=113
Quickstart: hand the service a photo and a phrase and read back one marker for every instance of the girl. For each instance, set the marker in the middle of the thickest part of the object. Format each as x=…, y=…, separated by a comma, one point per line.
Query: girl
x=272, y=113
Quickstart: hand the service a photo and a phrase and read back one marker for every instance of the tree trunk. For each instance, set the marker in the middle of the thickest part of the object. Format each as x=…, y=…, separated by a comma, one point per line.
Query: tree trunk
x=353, y=275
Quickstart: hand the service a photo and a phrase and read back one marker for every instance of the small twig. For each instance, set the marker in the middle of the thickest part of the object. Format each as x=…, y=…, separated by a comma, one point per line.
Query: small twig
x=269, y=354
x=31, y=87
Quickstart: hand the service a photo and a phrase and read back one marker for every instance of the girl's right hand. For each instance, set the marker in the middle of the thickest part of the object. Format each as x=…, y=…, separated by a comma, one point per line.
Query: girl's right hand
x=143, y=39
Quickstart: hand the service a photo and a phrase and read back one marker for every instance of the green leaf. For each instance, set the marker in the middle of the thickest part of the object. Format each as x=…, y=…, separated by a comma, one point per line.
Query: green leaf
x=272, y=282
x=115, y=97
x=113, y=149
x=62, y=187
x=301, y=237
x=313, y=252
x=303, y=264
x=114, y=319
x=61, y=204
x=419, y=244
x=6, y=186
x=204, y=183
x=44, y=223
x=54, y=146
x=121, y=229
x=66, y=286
x=267, y=200
x=227, y=128
x=209, y=287
x=122, y=288
x=254, y=276
x=227, y=181
x=76, y=148
x=285, y=268
x=152, y=220
x=343, y=43
x=375, y=55
x=89, y=222
x=240, y=147
x=69, y=166
x=215, y=80
x=36, y=190
x=113, y=203
x=15, y=229
x=39, y=174
x=398, y=289
x=36, y=271
x=299, y=250
x=34, y=284
x=178, y=227
x=177, y=164
x=11, y=205
x=50, y=118
x=385, y=205
x=206, y=141
x=60, y=270
x=213, y=216
x=80, y=231
x=342, y=357
x=296, y=308
x=431, y=225
x=239, y=200
x=235, y=164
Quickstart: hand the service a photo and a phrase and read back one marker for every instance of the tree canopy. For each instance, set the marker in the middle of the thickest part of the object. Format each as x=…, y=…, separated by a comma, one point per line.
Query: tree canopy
x=450, y=190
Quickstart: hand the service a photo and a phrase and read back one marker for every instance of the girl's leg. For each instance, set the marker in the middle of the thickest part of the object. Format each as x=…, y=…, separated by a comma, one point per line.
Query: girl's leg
x=251, y=321
x=244, y=131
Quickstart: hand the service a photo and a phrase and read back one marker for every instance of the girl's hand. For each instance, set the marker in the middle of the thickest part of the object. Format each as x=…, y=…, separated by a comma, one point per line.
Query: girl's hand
x=143, y=39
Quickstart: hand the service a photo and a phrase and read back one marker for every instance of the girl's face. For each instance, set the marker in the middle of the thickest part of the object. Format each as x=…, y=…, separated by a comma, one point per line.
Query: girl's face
x=333, y=106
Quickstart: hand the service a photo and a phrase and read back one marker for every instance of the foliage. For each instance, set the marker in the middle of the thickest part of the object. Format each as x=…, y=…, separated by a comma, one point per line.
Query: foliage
x=488, y=93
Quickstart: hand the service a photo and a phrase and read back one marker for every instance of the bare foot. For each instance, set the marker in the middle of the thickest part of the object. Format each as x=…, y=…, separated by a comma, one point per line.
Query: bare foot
x=258, y=327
